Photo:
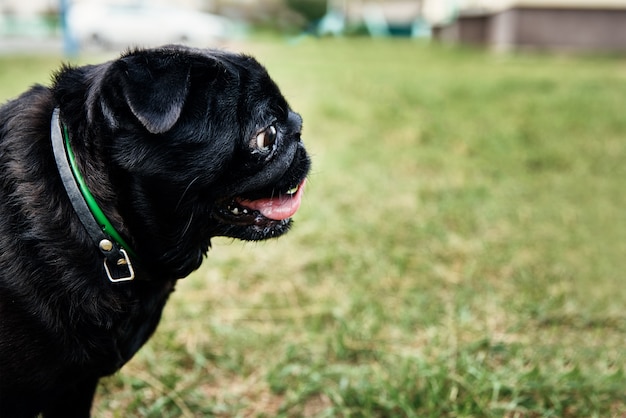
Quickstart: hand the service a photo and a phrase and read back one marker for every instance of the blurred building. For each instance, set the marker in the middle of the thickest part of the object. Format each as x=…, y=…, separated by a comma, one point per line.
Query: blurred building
x=112, y=22
x=562, y=25
x=36, y=7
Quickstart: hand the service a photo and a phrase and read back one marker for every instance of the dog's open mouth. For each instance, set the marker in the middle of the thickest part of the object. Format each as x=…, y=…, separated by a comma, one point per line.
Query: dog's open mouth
x=264, y=212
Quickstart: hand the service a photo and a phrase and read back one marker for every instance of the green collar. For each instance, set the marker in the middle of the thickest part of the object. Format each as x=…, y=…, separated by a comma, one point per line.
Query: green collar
x=97, y=213
x=115, y=251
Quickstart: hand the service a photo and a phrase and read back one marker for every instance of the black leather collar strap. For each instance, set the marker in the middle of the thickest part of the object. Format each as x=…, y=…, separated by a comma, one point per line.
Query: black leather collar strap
x=117, y=264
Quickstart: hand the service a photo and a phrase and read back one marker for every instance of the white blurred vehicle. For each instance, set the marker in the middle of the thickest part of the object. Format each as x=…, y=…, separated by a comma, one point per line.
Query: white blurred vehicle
x=142, y=25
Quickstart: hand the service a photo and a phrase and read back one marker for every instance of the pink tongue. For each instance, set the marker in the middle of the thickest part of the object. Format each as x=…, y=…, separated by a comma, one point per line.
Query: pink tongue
x=277, y=208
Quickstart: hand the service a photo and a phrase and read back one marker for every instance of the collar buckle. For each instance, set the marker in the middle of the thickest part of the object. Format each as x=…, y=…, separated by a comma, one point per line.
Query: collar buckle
x=122, y=271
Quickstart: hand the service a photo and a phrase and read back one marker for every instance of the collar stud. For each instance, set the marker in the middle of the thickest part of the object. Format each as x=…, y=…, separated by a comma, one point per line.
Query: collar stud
x=106, y=245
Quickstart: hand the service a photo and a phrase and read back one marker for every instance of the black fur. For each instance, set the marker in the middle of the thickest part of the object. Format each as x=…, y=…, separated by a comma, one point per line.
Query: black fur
x=165, y=140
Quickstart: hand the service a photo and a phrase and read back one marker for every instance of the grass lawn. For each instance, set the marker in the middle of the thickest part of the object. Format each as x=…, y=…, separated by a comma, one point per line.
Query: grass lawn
x=461, y=249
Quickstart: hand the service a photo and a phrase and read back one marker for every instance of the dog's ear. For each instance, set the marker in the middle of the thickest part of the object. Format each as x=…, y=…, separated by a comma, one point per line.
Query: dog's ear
x=155, y=87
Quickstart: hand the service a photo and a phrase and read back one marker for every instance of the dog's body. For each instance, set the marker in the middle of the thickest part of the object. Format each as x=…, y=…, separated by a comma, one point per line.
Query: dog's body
x=177, y=145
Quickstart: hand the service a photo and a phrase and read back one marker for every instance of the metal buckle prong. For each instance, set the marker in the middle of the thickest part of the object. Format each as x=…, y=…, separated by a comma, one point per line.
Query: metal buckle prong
x=125, y=261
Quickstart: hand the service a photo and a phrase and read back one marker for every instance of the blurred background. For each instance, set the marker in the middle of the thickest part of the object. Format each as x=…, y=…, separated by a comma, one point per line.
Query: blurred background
x=461, y=246
x=573, y=25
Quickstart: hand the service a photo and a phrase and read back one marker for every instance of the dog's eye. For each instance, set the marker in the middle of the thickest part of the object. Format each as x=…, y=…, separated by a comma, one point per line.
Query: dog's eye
x=266, y=138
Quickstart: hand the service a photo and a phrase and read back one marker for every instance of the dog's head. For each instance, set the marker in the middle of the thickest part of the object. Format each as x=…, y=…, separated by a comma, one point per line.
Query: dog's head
x=195, y=143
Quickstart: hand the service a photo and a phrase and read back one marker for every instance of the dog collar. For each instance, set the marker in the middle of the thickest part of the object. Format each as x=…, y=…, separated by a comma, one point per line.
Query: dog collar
x=110, y=243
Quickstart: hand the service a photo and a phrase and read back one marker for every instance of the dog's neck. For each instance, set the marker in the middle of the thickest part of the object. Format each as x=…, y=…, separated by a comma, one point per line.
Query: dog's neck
x=109, y=242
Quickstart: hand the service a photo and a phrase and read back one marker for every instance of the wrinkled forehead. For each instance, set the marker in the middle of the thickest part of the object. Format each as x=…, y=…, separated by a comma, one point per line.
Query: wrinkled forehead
x=260, y=96
x=250, y=75
x=246, y=89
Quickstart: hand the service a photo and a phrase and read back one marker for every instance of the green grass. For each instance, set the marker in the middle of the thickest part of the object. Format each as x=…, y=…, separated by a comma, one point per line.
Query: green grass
x=460, y=251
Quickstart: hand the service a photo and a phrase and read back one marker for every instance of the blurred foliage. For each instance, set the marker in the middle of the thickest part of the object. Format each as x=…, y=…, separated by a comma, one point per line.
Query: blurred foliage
x=310, y=10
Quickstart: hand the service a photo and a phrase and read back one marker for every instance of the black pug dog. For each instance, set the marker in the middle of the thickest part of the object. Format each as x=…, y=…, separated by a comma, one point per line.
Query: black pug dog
x=112, y=183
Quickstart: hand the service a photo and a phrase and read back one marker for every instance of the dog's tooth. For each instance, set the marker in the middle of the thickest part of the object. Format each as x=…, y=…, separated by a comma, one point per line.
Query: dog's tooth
x=293, y=190
x=235, y=210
